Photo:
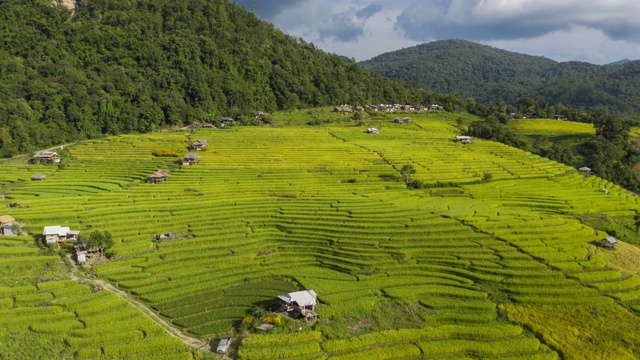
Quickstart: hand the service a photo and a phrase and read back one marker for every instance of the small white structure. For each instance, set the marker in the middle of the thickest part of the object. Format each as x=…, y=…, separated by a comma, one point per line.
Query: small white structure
x=303, y=302
x=609, y=242
x=373, y=131
x=59, y=234
x=464, y=139
x=223, y=346
x=585, y=171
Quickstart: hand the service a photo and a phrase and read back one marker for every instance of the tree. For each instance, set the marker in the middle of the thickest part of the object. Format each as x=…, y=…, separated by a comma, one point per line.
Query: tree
x=636, y=222
x=100, y=240
x=406, y=172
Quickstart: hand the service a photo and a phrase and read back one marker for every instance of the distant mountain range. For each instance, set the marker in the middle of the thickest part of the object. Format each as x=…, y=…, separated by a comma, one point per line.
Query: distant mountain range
x=485, y=73
x=619, y=62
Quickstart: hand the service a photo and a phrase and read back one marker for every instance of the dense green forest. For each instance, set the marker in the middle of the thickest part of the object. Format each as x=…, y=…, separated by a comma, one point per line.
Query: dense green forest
x=119, y=66
x=484, y=73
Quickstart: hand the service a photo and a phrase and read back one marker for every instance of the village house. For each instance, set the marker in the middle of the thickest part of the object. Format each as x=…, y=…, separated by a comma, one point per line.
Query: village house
x=38, y=177
x=190, y=159
x=464, y=139
x=6, y=225
x=199, y=145
x=559, y=117
x=373, y=131
x=45, y=155
x=435, y=107
x=208, y=126
x=261, y=115
x=59, y=234
x=585, y=171
x=158, y=177
x=302, y=302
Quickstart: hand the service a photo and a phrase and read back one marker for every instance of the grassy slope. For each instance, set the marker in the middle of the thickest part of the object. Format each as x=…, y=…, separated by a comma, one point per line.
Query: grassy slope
x=453, y=269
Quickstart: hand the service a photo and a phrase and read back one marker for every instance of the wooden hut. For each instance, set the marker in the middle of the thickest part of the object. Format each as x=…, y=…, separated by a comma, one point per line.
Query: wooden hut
x=190, y=159
x=158, y=177
x=199, y=145
x=585, y=171
x=609, y=242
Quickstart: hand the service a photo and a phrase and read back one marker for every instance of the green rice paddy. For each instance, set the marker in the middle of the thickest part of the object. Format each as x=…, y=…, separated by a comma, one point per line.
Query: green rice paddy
x=462, y=268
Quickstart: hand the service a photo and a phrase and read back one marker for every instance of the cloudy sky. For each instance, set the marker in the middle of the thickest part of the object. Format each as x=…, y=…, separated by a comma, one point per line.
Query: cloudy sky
x=598, y=32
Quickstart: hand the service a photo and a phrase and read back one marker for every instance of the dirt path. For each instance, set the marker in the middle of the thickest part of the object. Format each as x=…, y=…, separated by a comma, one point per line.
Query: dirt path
x=169, y=328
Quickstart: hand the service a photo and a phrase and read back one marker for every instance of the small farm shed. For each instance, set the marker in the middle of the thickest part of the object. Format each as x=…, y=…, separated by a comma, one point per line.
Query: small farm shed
x=81, y=253
x=59, y=234
x=208, y=126
x=190, y=159
x=6, y=227
x=158, y=177
x=609, y=242
x=226, y=121
x=464, y=139
x=435, y=107
x=303, y=302
x=6, y=220
x=8, y=230
x=199, y=145
x=38, y=177
x=585, y=171
x=559, y=117
x=373, y=131
x=223, y=346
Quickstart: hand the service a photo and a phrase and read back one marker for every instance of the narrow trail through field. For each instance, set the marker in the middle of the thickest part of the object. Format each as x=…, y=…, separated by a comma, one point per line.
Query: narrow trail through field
x=169, y=328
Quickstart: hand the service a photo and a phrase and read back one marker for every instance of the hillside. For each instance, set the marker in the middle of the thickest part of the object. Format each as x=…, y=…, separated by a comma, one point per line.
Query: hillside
x=119, y=66
x=485, y=73
x=468, y=266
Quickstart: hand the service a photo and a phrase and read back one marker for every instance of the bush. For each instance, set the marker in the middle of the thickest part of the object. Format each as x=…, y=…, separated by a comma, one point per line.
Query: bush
x=166, y=152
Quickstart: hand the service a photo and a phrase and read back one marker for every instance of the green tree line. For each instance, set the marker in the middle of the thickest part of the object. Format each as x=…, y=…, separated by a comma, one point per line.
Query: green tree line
x=122, y=66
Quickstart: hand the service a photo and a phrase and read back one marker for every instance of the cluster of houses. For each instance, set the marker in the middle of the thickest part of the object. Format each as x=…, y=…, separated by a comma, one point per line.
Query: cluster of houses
x=63, y=234
x=345, y=109
x=190, y=159
x=400, y=107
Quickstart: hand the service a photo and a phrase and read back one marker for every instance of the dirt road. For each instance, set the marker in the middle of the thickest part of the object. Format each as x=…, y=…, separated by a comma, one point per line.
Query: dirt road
x=169, y=328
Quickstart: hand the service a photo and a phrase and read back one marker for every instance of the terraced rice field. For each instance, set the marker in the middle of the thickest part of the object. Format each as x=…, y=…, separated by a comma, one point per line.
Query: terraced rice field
x=551, y=127
x=462, y=269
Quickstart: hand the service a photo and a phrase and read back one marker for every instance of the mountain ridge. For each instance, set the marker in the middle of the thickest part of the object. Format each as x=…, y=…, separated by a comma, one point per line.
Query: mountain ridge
x=485, y=73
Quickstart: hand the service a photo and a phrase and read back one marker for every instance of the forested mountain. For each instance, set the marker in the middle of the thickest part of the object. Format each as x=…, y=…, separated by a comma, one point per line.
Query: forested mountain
x=114, y=66
x=484, y=73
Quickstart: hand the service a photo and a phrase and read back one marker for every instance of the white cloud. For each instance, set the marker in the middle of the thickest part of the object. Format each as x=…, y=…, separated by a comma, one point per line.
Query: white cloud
x=597, y=32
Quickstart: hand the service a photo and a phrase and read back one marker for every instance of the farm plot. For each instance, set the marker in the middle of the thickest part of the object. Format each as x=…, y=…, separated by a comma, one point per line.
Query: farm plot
x=268, y=211
x=71, y=320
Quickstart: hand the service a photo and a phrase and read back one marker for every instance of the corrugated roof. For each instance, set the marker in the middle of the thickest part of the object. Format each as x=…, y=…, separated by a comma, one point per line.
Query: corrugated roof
x=302, y=298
